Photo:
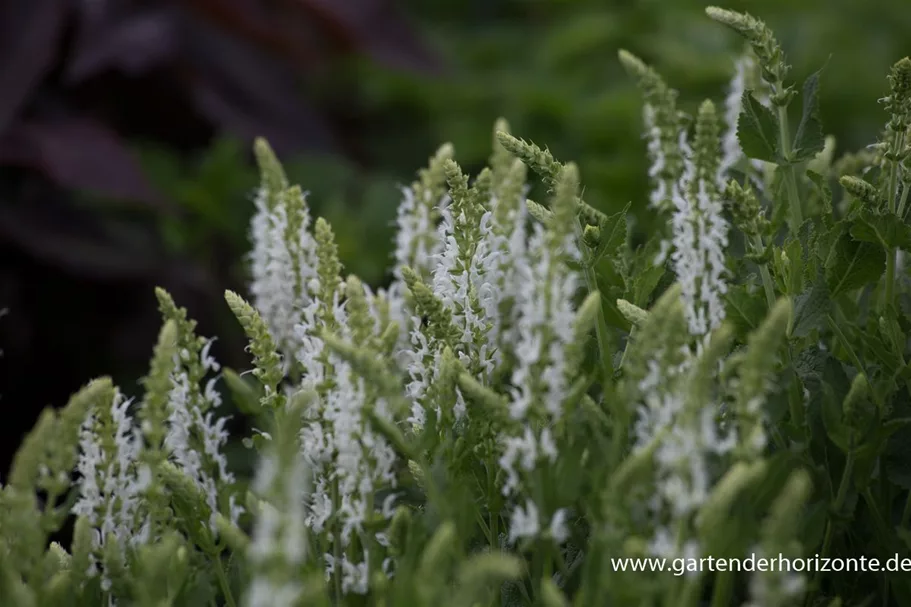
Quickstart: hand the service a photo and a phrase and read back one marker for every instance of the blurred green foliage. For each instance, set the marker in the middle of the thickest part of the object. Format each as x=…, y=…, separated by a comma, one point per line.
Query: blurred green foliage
x=550, y=67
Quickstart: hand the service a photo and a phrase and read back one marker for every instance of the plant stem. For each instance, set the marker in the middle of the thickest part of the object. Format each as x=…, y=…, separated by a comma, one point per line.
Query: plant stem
x=223, y=582
x=889, y=292
x=903, y=201
x=790, y=177
x=337, y=544
x=721, y=595
x=591, y=283
x=906, y=513
x=767, y=283
x=839, y=501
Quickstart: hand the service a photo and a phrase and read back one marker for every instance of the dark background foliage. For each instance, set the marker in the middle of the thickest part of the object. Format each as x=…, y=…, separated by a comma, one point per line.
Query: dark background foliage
x=125, y=128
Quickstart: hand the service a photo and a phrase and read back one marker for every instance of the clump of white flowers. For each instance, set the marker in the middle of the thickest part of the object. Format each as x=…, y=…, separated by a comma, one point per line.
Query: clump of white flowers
x=119, y=459
x=532, y=400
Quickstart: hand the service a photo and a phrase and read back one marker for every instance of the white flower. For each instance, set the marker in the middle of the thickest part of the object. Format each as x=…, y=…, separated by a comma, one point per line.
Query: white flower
x=194, y=438
x=700, y=237
x=282, y=265
x=111, y=483
x=278, y=546
x=524, y=522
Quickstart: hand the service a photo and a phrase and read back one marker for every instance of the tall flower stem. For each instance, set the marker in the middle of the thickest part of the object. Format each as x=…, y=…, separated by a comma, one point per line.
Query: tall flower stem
x=784, y=136
x=889, y=292
x=223, y=582
x=767, y=284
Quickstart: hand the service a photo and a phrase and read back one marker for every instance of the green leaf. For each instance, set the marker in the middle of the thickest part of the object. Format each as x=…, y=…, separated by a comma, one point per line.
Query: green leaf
x=822, y=194
x=745, y=310
x=881, y=228
x=810, y=308
x=853, y=264
x=757, y=130
x=613, y=234
x=809, y=140
x=644, y=284
x=833, y=420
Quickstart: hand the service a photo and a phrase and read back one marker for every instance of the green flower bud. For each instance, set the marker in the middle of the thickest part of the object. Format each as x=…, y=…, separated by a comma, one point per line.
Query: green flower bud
x=538, y=212
x=745, y=209
x=272, y=175
x=265, y=353
x=489, y=404
x=707, y=149
x=328, y=268
x=765, y=46
x=632, y=313
x=153, y=413
x=863, y=191
x=540, y=161
x=855, y=408
x=591, y=236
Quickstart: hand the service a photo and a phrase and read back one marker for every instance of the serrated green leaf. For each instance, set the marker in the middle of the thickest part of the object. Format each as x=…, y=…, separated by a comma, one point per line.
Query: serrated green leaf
x=644, y=284
x=809, y=140
x=810, y=308
x=745, y=310
x=822, y=194
x=853, y=264
x=757, y=130
x=881, y=228
x=613, y=234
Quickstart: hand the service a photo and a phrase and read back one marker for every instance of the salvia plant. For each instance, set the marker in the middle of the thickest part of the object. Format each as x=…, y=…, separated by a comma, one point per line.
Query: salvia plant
x=532, y=401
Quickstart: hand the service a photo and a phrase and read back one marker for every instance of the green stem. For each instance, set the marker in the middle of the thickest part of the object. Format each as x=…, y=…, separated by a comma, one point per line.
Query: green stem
x=767, y=283
x=839, y=502
x=904, y=200
x=724, y=588
x=790, y=176
x=906, y=513
x=337, y=543
x=591, y=283
x=897, y=143
x=845, y=343
x=889, y=293
x=223, y=582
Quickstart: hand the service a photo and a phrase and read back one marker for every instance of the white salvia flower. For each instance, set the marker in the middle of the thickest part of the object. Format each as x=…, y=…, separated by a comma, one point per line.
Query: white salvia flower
x=194, y=439
x=112, y=482
x=524, y=522
x=468, y=288
x=732, y=153
x=700, y=237
x=417, y=241
x=417, y=245
x=656, y=153
x=354, y=575
x=279, y=534
x=545, y=308
x=558, y=529
x=345, y=454
x=282, y=264
x=683, y=461
x=544, y=316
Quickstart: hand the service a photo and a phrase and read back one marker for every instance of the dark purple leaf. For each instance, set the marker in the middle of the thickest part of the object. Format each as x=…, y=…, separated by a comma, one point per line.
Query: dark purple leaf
x=87, y=245
x=376, y=28
x=132, y=45
x=67, y=241
x=252, y=22
x=250, y=94
x=80, y=154
x=29, y=36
